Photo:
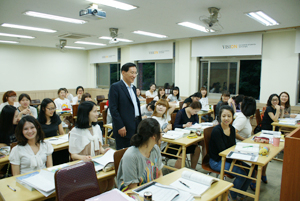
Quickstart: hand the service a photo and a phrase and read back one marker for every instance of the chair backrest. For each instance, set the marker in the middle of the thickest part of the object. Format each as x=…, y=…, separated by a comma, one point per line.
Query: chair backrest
x=104, y=116
x=173, y=117
x=117, y=158
x=75, y=110
x=102, y=105
x=148, y=100
x=76, y=182
x=143, y=95
x=207, y=135
x=100, y=98
x=36, y=101
x=215, y=107
x=257, y=116
x=180, y=104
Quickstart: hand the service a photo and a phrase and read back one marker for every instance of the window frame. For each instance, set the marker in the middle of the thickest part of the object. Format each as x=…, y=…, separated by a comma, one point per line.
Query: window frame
x=109, y=74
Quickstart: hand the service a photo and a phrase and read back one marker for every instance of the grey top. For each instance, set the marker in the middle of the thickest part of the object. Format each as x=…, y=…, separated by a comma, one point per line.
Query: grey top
x=287, y=112
x=32, y=110
x=136, y=168
x=173, y=98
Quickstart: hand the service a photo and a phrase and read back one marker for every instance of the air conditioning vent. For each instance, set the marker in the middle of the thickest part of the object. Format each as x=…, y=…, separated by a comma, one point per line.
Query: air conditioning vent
x=73, y=36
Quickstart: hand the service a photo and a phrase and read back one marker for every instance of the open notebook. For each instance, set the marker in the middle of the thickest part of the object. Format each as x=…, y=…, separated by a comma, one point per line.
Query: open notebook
x=194, y=183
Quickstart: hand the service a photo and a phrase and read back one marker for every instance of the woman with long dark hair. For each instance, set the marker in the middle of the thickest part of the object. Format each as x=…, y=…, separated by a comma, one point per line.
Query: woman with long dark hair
x=9, y=119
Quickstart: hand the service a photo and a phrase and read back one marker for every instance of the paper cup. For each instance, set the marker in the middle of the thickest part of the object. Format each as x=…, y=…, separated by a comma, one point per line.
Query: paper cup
x=276, y=141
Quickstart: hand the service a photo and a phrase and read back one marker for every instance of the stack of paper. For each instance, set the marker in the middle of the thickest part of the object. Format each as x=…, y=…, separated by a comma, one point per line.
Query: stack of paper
x=58, y=140
x=289, y=121
x=102, y=161
x=182, y=130
x=247, y=148
x=43, y=182
x=173, y=135
x=114, y=194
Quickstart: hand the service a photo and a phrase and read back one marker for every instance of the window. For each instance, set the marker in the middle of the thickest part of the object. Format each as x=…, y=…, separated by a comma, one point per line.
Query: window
x=107, y=74
x=236, y=76
x=158, y=72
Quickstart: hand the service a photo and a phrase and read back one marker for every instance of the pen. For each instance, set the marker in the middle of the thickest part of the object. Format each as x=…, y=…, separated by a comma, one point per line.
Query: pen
x=247, y=146
x=11, y=188
x=184, y=184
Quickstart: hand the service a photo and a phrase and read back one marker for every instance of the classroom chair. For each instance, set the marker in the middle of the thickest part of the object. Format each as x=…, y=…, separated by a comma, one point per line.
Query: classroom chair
x=102, y=105
x=258, y=117
x=104, y=116
x=180, y=104
x=148, y=100
x=173, y=117
x=117, y=158
x=143, y=95
x=215, y=107
x=205, y=155
x=76, y=182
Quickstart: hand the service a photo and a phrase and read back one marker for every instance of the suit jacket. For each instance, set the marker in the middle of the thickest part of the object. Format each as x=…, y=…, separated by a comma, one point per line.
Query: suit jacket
x=122, y=109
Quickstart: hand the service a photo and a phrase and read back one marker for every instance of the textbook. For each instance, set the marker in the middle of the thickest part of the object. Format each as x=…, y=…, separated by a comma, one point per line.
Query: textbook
x=242, y=156
x=194, y=183
x=112, y=195
x=289, y=121
x=104, y=161
x=173, y=135
x=21, y=178
x=247, y=148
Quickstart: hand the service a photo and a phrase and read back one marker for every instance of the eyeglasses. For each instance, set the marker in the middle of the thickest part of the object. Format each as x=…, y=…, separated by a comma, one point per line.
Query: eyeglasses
x=51, y=109
x=133, y=73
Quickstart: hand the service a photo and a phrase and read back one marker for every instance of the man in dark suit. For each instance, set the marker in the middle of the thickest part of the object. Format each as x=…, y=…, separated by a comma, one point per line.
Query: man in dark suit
x=124, y=106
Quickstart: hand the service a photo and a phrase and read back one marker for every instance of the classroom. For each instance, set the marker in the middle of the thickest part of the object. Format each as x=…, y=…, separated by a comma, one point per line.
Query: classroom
x=234, y=53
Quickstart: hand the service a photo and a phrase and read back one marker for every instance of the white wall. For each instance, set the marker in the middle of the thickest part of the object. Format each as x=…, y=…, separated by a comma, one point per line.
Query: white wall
x=279, y=70
x=25, y=68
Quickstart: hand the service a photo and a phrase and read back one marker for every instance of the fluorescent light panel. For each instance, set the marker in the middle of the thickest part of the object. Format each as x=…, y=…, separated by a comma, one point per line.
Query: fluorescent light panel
x=115, y=4
x=73, y=47
x=194, y=26
x=150, y=34
x=262, y=18
x=27, y=28
x=119, y=39
x=89, y=43
x=54, y=17
x=17, y=36
x=7, y=41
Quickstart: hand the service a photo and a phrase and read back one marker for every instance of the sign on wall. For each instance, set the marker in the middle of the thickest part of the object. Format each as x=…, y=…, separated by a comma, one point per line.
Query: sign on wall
x=233, y=45
x=152, y=51
x=106, y=55
x=297, y=46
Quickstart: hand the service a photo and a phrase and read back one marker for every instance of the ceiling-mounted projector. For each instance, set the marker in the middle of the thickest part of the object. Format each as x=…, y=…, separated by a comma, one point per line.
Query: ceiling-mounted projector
x=92, y=13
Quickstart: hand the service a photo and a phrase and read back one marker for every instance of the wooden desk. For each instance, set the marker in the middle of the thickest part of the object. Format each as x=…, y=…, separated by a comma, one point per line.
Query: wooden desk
x=203, y=113
x=23, y=193
x=274, y=124
x=107, y=126
x=59, y=147
x=217, y=189
x=183, y=143
x=262, y=161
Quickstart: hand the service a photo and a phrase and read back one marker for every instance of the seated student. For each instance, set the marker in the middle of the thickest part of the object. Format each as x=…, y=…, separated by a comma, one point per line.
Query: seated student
x=31, y=153
x=222, y=137
x=86, y=97
x=285, y=103
x=86, y=138
x=161, y=94
x=25, y=108
x=79, y=92
x=142, y=162
x=61, y=102
x=138, y=94
x=151, y=93
x=147, y=109
x=69, y=96
x=193, y=98
x=9, y=98
x=9, y=119
x=273, y=112
x=242, y=123
x=204, y=104
x=175, y=96
x=49, y=120
x=224, y=100
x=186, y=117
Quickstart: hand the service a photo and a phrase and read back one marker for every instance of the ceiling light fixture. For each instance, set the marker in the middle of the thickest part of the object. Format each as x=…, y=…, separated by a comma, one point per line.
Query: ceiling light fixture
x=54, y=17
x=89, y=43
x=17, y=36
x=7, y=41
x=28, y=28
x=262, y=18
x=73, y=47
x=119, y=39
x=115, y=4
x=193, y=26
x=150, y=34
